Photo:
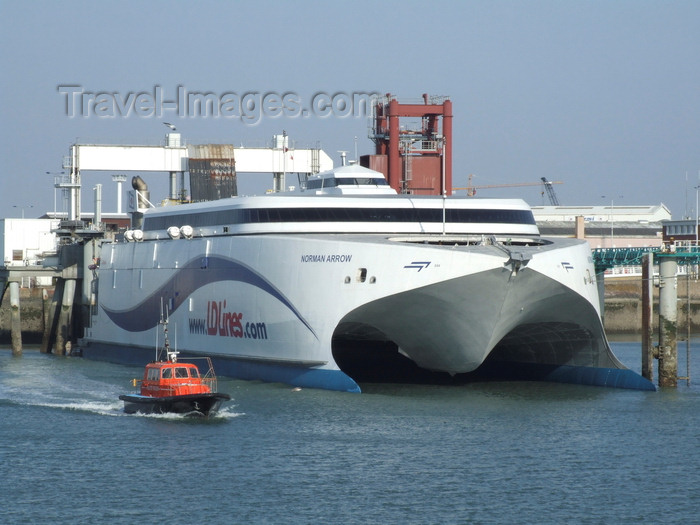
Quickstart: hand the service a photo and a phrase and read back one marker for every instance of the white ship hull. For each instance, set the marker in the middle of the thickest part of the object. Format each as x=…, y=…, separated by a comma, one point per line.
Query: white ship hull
x=349, y=281
x=283, y=307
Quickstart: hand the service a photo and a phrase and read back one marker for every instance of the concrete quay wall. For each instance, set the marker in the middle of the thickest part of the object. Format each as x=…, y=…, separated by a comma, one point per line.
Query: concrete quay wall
x=623, y=305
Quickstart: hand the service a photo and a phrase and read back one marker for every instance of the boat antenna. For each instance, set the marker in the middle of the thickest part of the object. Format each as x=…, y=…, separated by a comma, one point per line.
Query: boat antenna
x=170, y=354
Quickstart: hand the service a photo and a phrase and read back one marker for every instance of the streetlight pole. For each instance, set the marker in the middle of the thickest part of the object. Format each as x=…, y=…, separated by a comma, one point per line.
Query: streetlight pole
x=23, y=207
x=612, y=223
x=696, y=216
x=612, y=219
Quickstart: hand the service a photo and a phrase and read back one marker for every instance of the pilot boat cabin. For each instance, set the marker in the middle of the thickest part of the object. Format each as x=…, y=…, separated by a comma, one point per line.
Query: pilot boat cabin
x=167, y=378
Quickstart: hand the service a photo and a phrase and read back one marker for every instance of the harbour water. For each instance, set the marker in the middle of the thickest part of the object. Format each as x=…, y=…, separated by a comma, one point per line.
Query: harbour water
x=479, y=453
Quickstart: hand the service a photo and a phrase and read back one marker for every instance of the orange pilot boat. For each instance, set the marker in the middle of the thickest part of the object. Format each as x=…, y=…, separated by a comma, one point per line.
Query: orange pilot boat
x=173, y=387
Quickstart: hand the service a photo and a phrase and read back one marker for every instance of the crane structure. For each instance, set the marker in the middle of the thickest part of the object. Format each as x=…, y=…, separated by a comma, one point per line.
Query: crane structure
x=471, y=189
x=550, y=192
x=415, y=157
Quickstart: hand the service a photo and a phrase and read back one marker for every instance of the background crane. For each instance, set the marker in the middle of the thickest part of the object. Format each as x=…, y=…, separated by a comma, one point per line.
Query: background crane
x=554, y=201
x=550, y=192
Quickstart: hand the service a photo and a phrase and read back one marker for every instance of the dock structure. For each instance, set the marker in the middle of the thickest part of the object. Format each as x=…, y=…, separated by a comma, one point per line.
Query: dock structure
x=11, y=278
x=218, y=162
x=68, y=311
x=668, y=257
x=414, y=158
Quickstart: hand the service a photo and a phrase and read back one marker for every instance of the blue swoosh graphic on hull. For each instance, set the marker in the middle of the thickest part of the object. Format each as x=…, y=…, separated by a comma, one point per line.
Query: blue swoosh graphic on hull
x=187, y=279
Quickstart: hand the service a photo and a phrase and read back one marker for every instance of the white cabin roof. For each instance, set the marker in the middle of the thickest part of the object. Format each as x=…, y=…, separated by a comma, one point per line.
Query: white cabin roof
x=349, y=180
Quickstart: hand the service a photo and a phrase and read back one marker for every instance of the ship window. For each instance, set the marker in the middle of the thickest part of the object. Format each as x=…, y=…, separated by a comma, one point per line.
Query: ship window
x=180, y=372
x=361, y=275
x=273, y=215
x=167, y=373
x=153, y=374
x=194, y=372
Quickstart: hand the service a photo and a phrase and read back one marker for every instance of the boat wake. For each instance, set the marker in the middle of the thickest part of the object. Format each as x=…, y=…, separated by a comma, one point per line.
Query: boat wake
x=95, y=407
x=81, y=394
x=223, y=414
x=104, y=408
x=39, y=381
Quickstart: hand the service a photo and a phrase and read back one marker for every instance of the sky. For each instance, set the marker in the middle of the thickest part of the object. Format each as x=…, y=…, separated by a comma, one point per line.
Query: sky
x=603, y=95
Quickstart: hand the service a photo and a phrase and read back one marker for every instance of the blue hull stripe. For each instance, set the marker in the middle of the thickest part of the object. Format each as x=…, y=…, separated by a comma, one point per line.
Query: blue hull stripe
x=186, y=280
x=577, y=375
x=611, y=377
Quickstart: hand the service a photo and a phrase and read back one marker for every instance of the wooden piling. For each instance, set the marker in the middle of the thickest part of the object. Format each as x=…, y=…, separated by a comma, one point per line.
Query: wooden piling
x=46, y=318
x=668, y=315
x=49, y=337
x=647, y=316
x=15, y=322
x=63, y=330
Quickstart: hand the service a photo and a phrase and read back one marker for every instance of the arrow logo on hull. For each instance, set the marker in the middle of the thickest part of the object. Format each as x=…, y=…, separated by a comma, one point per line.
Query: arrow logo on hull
x=419, y=265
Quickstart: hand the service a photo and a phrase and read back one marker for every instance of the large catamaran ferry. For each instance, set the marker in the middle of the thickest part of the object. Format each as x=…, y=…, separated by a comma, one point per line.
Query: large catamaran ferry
x=348, y=282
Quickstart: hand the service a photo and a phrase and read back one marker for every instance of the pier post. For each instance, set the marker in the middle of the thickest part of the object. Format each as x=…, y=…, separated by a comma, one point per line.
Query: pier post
x=15, y=322
x=668, y=315
x=46, y=318
x=647, y=316
x=63, y=331
x=49, y=339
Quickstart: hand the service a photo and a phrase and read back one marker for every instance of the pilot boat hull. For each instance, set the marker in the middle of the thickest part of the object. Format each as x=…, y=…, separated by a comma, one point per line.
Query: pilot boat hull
x=193, y=404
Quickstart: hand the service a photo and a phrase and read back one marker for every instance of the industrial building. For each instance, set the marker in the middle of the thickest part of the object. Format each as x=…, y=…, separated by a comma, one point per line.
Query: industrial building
x=605, y=226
